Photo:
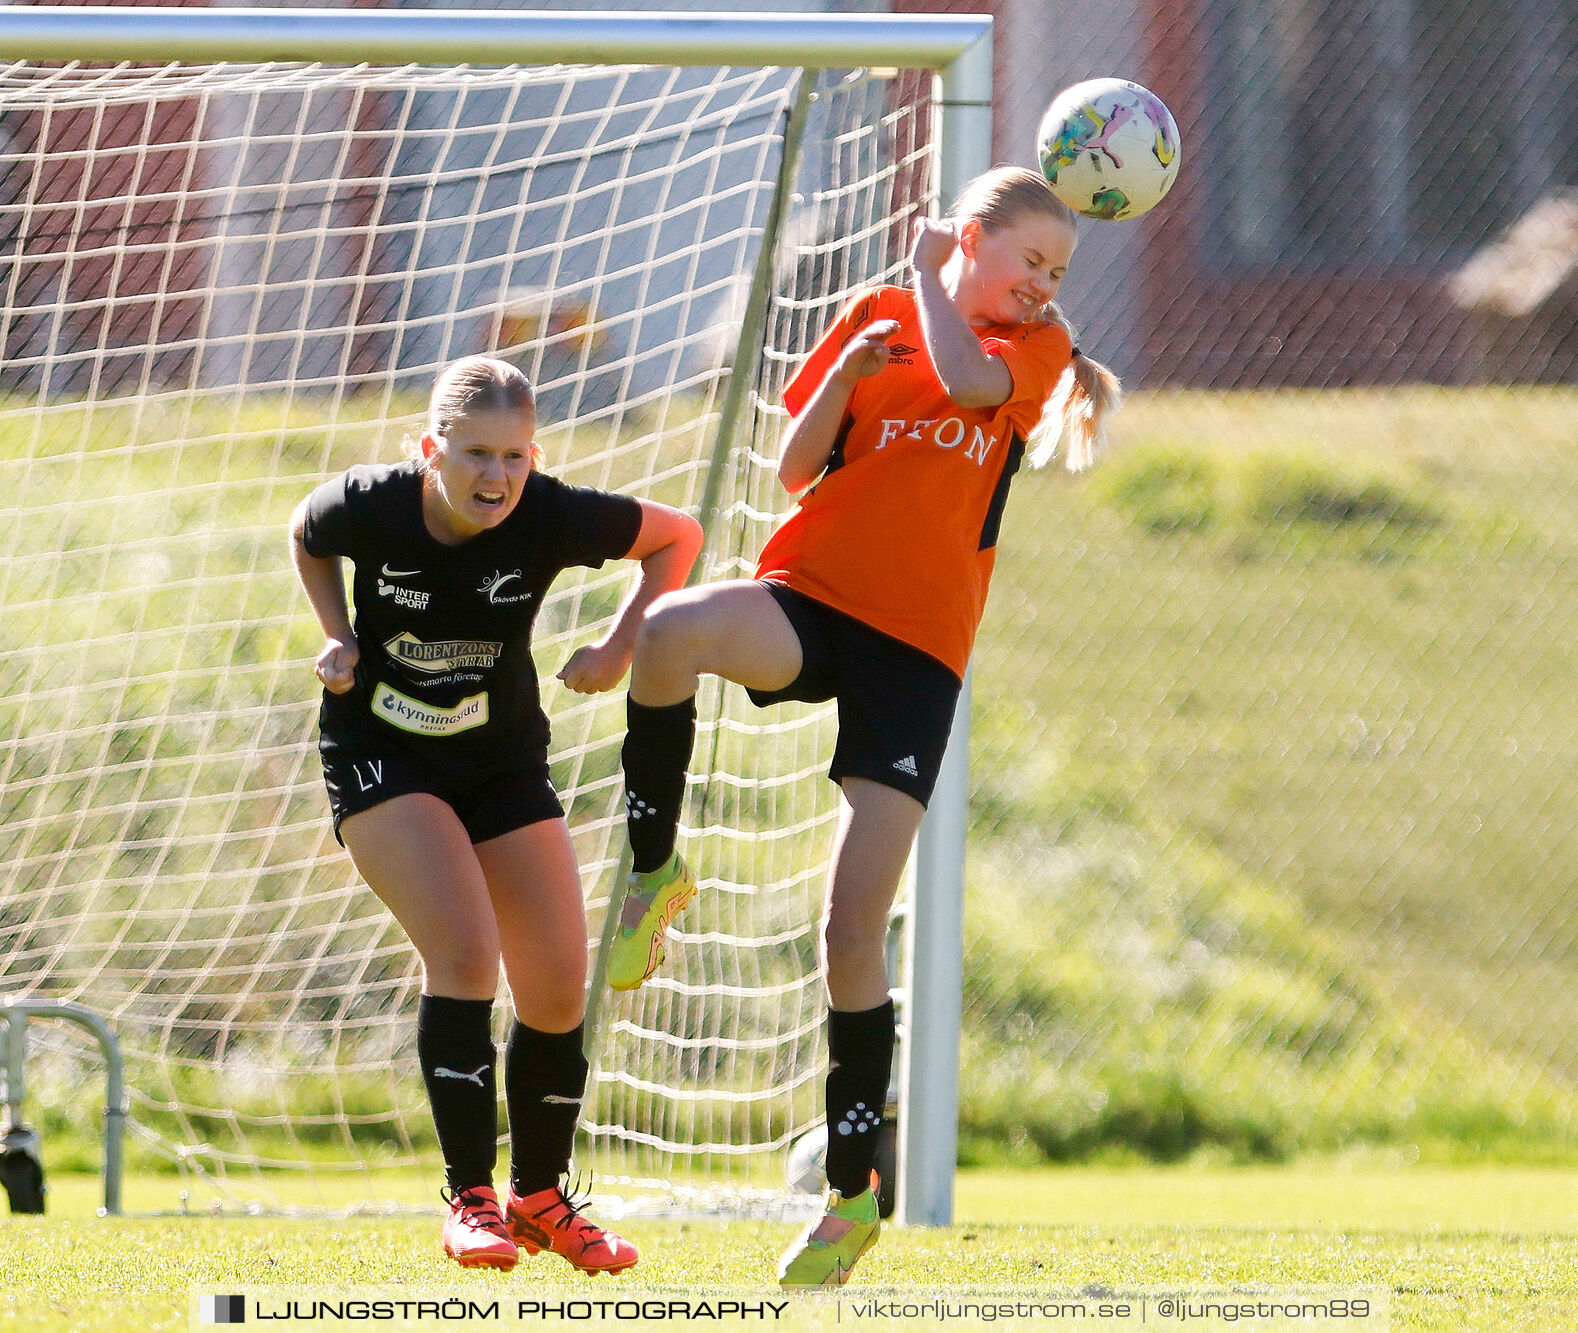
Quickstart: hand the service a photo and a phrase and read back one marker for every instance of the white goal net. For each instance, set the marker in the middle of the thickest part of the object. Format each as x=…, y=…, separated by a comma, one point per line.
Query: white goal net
x=224, y=283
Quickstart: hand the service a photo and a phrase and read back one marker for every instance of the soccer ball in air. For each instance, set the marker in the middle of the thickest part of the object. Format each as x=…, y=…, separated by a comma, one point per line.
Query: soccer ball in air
x=1109, y=148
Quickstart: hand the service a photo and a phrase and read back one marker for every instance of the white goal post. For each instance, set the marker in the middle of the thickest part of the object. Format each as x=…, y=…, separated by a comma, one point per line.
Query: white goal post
x=229, y=334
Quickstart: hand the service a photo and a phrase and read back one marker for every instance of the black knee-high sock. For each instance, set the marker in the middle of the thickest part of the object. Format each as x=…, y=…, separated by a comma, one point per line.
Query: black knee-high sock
x=544, y=1082
x=454, y=1043
x=860, y=1051
x=656, y=754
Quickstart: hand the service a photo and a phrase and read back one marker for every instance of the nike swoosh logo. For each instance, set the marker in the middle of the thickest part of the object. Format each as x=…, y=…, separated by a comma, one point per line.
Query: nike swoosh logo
x=399, y=573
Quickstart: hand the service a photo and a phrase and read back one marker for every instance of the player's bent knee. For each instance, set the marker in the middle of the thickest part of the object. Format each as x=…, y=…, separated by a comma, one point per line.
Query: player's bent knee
x=672, y=633
x=659, y=632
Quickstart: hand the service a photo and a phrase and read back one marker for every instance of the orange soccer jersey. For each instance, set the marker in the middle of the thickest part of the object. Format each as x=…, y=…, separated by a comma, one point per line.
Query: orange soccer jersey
x=900, y=531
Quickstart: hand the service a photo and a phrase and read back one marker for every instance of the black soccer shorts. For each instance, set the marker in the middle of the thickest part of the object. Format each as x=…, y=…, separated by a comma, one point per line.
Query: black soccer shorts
x=490, y=799
x=895, y=703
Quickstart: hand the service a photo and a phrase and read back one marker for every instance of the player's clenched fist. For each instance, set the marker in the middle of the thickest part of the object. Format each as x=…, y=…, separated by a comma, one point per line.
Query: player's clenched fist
x=336, y=666
x=595, y=668
x=933, y=244
x=867, y=352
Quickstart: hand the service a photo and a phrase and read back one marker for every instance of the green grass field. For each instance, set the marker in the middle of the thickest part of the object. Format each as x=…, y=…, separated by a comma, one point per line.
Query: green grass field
x=1481, y=1250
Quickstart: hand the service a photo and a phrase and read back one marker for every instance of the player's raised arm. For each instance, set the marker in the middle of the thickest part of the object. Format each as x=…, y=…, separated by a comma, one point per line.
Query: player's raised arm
x=970, y=376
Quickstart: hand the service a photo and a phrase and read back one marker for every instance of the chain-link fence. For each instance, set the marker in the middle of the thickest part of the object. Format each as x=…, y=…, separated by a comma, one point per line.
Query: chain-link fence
x=1272, y=836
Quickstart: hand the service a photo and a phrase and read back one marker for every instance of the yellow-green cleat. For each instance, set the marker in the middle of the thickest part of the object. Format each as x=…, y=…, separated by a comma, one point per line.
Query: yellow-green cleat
x=652, y=901
x=826, y=1252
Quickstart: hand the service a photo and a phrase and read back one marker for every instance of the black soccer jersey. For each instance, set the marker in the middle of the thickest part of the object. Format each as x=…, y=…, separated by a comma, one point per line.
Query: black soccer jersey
x=445, y=631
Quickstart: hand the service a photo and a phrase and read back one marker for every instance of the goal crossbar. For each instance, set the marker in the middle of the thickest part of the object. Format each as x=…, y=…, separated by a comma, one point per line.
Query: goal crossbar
x=167, y=33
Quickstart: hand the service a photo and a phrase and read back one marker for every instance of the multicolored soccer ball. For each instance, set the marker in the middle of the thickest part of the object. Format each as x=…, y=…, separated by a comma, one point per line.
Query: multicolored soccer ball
x=1109, y=148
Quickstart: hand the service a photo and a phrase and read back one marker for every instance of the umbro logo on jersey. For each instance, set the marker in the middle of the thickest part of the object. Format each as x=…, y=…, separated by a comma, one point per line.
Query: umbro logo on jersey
x=901, y=353
x=906, y=765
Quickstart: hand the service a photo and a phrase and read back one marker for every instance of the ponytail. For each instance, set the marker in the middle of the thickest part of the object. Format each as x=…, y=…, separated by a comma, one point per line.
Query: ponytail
x=1086, y=393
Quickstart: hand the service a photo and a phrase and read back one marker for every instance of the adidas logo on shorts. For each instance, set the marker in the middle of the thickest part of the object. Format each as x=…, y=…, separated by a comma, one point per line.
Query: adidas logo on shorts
x=907, y=765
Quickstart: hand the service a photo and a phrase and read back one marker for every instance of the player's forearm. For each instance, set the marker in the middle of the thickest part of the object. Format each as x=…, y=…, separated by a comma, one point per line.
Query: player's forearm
x=664, y=570
x=969, y=376
x=811, y=436
x=665, y=549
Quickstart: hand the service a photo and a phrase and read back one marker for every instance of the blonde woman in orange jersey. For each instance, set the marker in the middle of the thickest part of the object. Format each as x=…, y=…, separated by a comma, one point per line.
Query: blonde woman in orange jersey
x=909, y=419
